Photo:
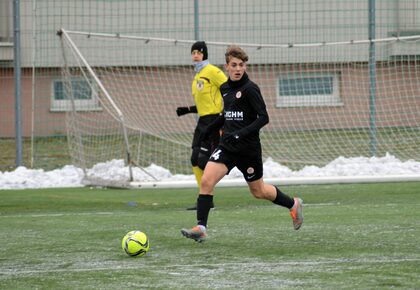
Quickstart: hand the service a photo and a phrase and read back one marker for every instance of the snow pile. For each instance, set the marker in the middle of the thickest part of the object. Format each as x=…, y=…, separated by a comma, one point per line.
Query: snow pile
x=71, y=176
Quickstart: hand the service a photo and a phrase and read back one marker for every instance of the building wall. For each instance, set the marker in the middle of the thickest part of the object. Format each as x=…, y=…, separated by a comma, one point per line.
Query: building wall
x=391, y=109
x=233, y=21
x=47, y=122
x=6, y=21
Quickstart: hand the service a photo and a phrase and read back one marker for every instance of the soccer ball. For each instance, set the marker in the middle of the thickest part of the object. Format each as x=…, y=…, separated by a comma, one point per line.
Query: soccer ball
x=135, y=243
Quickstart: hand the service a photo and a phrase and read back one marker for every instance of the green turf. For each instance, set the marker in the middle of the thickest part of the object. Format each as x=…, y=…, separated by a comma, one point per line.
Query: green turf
x=354, y=237
x=290, y=148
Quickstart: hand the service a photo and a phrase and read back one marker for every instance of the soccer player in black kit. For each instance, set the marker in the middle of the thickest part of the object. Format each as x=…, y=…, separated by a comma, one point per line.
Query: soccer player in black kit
x=244, y=114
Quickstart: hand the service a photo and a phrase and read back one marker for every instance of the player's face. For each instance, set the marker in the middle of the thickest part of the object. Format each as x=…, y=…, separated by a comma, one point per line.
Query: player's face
x=235, y=68
x=197, y=55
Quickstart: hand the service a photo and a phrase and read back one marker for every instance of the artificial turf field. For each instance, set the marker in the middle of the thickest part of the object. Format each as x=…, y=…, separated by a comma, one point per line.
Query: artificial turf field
x=355, y=236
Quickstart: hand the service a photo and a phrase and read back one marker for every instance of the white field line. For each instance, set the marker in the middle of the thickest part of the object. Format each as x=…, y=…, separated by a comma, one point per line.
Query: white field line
x=56, y=214
x=123, y=212
x=195, y=267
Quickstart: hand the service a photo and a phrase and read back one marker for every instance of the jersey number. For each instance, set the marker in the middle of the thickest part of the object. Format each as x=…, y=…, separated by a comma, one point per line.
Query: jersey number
x=216, y=154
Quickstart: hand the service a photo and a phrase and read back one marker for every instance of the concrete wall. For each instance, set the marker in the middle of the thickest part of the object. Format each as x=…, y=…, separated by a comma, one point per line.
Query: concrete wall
x=234, y=21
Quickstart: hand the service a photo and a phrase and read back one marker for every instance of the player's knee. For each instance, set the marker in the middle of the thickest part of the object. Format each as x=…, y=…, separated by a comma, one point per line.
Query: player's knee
x=258, y=193
x=206, y=183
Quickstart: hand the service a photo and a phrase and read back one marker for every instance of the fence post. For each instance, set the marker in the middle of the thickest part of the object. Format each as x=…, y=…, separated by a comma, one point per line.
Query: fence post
x=17, y=76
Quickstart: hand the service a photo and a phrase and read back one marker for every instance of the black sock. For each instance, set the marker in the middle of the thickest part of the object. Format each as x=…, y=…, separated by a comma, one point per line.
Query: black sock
x=283, y=199
x=204, y=203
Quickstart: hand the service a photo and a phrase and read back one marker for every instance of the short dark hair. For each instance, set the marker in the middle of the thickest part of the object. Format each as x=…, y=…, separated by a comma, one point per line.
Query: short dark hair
x=237, y=52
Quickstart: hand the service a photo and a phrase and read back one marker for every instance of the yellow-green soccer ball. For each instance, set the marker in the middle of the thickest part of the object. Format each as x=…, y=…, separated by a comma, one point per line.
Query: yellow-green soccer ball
x=135, y=243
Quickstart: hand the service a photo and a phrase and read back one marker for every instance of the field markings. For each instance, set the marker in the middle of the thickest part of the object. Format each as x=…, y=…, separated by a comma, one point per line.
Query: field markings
x=169, y=269
x=131, y=213
x=58, y=214
x=32, y=215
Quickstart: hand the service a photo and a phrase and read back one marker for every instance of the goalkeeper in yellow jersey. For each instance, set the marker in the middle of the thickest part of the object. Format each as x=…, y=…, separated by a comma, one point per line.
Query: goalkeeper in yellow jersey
x=208, y=104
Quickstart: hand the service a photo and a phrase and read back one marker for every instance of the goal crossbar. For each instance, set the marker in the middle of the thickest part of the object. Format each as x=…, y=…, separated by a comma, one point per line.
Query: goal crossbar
x=262, y=45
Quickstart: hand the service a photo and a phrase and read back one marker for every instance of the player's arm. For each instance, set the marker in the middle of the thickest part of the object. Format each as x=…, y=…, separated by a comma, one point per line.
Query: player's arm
x=217, y=124
x=257, y=102
x=186, y=110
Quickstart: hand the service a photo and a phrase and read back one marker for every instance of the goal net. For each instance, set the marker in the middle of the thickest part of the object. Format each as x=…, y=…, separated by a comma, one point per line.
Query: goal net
x=325, y=100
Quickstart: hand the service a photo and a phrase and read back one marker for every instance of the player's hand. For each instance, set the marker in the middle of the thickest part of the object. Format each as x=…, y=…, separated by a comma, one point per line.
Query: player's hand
x=182, y=111
x=232, y=138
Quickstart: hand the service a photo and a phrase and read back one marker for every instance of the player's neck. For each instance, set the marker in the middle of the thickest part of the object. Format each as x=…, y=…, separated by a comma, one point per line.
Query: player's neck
x=240, y=82
x=199, y=65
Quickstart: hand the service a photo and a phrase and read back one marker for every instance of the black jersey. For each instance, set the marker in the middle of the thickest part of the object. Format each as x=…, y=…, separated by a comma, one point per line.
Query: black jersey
x=244, y=114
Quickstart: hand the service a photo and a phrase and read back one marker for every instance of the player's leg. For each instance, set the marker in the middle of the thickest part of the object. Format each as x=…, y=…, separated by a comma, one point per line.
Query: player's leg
x=213, y=173
x=199, y=158
x=206, y=148
x=252, y=169
x=259, y=189
x=202, y=149
x=198, y=172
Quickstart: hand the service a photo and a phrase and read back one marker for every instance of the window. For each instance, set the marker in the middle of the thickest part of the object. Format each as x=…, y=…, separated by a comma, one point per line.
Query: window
x=309, y=90
x=84, y=96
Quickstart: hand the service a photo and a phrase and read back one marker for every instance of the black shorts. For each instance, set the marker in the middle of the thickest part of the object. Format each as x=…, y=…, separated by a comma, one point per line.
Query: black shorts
x=207, y=145
x=250, y=165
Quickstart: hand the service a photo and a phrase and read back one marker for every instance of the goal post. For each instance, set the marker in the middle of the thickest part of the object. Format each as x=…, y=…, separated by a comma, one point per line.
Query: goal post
x=88, y=74
x=125, y=89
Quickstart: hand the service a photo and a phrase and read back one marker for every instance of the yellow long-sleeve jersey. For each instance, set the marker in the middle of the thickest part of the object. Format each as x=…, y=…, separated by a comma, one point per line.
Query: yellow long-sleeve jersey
x=206, y=90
